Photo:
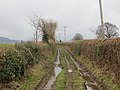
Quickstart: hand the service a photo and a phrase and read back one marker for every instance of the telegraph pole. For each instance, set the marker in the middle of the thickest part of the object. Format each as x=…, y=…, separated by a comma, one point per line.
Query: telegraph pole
x=59, y=37
x=65, y=33
x=102, y=21
x=34, y=36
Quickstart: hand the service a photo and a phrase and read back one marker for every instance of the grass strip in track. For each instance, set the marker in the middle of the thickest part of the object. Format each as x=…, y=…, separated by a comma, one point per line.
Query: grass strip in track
x=60, y=81
x=77, y=80
x=63, y=62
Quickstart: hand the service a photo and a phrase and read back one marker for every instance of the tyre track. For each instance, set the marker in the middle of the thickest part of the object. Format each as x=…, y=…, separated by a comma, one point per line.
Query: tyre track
x=90, y=84
x=69, y=75
x=49, y=84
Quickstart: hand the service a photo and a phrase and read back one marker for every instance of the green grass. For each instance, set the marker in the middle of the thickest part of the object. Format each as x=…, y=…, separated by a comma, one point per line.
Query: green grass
x=6, y=45
x=60, y=81
x=77, y=81
x=63, y=63
x=72, y=65
x=35, y=76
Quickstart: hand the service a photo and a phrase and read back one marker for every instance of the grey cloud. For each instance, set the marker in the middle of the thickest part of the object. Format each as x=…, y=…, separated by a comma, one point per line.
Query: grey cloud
x=77, y=15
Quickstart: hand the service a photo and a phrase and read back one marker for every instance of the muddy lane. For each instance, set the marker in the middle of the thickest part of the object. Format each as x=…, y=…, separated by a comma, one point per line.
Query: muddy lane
x=57, y=71
x=90, y=84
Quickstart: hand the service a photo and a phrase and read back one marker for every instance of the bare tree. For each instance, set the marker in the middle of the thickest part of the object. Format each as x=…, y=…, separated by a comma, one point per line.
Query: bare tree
x=33, y=21
x=109, y=29
x=78, y=37
x=46, y=26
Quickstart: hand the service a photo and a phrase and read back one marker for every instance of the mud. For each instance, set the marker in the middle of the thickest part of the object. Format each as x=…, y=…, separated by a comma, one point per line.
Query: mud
x=90, y=84
x=57, y=71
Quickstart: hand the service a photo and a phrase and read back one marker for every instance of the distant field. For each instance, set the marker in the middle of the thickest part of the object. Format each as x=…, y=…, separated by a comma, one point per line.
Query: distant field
x=6, y=45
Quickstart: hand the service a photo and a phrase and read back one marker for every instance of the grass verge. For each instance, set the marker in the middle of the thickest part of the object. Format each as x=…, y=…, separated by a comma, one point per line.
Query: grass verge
x=98, y=75
x=34, y=77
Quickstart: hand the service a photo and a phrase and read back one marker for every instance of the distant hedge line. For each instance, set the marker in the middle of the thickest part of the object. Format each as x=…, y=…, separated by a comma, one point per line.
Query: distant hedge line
x=103, y=53
x=16, y=59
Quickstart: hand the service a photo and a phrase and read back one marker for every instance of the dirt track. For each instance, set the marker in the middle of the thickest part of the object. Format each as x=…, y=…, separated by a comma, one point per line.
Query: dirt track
x=70, y=61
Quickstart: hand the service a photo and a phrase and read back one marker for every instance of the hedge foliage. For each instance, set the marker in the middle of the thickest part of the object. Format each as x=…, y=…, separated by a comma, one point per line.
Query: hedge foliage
x=16, y=59
x=103, y=53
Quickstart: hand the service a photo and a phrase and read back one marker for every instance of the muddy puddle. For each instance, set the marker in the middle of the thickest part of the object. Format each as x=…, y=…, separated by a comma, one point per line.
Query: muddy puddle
x=57, y=71
x=89, y=84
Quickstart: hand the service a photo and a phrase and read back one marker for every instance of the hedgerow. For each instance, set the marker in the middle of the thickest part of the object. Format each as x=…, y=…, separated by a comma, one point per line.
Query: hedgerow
x=104, y=54
x=16, y=59
x=12, y=66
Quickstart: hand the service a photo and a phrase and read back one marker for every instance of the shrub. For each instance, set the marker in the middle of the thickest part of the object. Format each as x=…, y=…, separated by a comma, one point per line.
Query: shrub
x=26, y=53
x=12, y=66
x=34, y=48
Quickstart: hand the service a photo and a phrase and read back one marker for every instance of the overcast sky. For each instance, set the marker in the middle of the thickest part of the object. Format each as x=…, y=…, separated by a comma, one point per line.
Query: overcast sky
x=77, y=15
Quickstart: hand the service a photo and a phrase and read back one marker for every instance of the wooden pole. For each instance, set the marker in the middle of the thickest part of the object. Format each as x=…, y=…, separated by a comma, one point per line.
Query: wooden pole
x=102, y=21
